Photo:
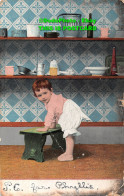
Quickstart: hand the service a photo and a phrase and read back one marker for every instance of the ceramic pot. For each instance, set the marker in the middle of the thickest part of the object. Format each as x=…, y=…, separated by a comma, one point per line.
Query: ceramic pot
x=3, y=32
x=9, y=70
x=77, y=18
x=33, y=30
x=51, y=34
x=19, y=33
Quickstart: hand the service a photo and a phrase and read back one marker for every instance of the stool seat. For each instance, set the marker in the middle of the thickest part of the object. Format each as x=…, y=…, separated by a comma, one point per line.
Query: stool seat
x=34, y=142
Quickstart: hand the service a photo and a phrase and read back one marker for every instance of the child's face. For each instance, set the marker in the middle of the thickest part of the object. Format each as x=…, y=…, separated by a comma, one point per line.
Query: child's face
x=44, y=95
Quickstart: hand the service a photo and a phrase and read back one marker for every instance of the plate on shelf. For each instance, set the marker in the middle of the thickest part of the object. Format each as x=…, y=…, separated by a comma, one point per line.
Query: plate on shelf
x=120, y=64
x=97, y=71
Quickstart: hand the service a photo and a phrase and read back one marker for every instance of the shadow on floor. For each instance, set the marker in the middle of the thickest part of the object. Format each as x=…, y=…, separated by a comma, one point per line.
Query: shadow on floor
x=51, y=154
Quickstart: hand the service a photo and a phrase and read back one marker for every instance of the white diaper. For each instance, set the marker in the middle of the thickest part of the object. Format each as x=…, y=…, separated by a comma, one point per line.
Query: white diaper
x=71, y=118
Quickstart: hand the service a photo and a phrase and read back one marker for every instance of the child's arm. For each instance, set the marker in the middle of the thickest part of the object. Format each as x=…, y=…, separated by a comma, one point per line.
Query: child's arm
x=53, y=125
x=44, y=129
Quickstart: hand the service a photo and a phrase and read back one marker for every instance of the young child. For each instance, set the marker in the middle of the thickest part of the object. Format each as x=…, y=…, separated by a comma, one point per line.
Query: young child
x=62, y=111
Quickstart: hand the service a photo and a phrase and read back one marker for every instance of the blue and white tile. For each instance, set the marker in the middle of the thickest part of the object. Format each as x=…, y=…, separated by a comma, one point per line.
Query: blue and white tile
x=70, y=7
x=12, y=116
x=21, y=7
x=6, y=109
x=54, y=7
x=70, y=91
x=5, y=8
x=88, y=109
x=29, y=116
x=21, y=108
x=103, y=108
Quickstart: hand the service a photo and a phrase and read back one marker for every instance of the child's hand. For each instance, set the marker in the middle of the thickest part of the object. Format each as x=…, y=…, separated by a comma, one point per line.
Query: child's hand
x=44, y=129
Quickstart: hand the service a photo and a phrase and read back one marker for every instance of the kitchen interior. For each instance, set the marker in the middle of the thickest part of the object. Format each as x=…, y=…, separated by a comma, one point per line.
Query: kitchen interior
x=79, y=67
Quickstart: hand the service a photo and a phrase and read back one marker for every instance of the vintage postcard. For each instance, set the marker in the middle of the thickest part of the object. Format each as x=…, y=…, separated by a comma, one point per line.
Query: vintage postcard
x=61, y=97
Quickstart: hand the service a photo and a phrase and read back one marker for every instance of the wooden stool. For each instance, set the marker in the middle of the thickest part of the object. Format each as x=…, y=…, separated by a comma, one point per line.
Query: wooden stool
x=34, y=142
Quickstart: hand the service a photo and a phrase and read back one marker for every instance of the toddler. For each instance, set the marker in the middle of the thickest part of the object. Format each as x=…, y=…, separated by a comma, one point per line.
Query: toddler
x=62, y=111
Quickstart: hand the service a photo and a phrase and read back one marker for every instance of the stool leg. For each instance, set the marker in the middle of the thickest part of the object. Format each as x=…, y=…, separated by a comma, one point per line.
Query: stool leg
x=34, y=147
x=58, y=140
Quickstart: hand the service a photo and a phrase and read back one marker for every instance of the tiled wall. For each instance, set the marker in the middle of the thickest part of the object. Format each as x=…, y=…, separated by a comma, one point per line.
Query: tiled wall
x=97, y=98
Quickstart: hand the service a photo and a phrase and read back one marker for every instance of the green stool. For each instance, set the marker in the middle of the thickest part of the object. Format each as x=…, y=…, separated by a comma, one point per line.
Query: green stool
x=34, y=142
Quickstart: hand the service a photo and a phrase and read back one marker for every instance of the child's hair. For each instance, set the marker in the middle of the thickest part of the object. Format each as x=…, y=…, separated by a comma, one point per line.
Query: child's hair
x=42, y=83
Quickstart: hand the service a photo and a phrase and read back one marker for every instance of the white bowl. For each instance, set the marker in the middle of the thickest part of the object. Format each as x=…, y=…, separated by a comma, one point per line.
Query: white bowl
x=97, y=70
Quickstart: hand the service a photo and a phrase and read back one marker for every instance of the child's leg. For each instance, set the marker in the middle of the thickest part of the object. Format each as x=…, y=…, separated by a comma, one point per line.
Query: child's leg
x=69, y=145
x=68, y=155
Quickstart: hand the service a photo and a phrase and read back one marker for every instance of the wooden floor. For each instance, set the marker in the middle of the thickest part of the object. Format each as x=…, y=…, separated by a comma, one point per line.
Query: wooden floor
x=91, y=162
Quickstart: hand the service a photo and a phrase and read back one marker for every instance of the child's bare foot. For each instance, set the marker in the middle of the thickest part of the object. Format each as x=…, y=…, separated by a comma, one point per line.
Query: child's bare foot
x=65, y=157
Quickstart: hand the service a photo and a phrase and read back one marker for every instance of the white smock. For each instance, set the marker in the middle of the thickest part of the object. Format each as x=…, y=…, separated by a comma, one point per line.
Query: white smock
x=71, y=118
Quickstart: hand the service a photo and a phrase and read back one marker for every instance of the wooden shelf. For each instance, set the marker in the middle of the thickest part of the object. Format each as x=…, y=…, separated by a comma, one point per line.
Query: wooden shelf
x=83, y=124
x=63, y=38
x=60, y=77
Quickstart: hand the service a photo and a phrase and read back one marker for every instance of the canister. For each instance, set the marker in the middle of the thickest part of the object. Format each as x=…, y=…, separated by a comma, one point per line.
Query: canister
x=53, y=68
x=9, y=70
x=3, y=32
x=33, y=30
x=76, y=21
x=40, y=69
x=19, y=33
